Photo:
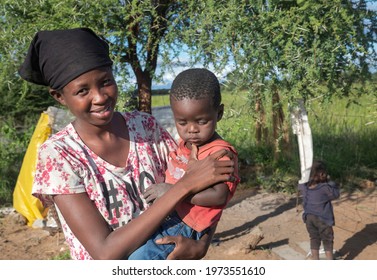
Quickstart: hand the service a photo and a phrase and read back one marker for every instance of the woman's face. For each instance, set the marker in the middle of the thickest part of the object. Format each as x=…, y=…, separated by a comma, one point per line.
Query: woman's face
x=91, y=97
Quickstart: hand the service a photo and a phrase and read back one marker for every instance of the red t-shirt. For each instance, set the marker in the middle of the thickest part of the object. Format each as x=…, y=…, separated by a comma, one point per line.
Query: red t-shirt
x=199, y=217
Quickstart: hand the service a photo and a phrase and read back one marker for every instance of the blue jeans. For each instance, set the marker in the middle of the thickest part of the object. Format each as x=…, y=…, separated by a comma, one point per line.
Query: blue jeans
x=172, y=226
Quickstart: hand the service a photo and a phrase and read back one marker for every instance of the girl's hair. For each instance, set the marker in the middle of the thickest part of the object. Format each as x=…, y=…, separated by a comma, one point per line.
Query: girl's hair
x=318, y=173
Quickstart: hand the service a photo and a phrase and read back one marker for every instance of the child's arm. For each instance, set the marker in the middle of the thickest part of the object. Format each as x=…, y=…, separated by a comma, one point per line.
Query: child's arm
x=214, y=196
x=333, y=190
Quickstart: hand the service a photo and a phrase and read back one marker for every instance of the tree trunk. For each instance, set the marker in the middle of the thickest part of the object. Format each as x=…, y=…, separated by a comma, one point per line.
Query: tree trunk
x=144, y=84
x=280, y=131
x=157, y=28
x=260, y=122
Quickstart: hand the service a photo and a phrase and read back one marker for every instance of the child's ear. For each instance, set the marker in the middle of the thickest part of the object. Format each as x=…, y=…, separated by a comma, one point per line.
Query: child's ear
x=57, y=95
x=220, y=112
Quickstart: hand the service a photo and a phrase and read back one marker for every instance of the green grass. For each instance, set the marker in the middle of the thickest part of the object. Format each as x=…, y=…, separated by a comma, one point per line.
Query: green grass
x=343, y=136
x=160, y=98
x=63, y=256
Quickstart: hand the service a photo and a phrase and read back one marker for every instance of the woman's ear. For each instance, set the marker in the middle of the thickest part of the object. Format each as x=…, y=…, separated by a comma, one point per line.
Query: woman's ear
x=220, y=112
x=57, y=95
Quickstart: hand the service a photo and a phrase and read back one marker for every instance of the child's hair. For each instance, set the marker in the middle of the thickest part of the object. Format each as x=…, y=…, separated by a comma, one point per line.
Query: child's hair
x=196, y=83
x=318, y=173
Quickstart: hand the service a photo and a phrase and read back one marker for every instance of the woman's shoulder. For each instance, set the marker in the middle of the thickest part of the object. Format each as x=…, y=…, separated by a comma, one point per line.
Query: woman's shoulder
x=65, y=139
x=59, y=136
x=144, y=125
x=138, y=116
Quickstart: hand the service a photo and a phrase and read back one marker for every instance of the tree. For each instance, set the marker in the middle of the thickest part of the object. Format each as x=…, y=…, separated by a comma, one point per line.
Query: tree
x=134, y=29
x=291, y=49
x=279, y=47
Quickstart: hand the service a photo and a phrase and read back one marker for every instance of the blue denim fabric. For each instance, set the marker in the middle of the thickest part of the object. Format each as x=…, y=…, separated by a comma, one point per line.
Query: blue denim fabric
x=172, y=226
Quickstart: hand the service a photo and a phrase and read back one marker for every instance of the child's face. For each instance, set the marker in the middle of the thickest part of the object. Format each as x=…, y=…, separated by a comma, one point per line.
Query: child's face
x=90, y=97
x=196, y=119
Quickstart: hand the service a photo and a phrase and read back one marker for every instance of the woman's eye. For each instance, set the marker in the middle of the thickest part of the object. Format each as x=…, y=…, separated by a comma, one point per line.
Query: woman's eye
x=82, y=91
x=108, y=82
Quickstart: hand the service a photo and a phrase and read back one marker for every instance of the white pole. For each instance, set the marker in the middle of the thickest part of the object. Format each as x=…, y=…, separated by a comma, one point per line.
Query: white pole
x=300, y=127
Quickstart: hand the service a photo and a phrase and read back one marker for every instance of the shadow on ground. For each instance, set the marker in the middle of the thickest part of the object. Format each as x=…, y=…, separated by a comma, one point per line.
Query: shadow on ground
x=354, y=245
x=244, y=229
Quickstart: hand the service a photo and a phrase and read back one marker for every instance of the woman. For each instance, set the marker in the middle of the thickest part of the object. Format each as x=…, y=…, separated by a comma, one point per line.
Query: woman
x=96, y=169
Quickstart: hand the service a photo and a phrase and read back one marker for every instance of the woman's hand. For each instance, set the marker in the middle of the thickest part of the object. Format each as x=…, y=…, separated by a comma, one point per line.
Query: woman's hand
x=201, y=174
x=187, y=248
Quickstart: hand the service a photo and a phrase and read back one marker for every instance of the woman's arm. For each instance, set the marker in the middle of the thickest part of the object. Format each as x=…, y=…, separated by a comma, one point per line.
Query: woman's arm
x=94, y=233
x=101, y=242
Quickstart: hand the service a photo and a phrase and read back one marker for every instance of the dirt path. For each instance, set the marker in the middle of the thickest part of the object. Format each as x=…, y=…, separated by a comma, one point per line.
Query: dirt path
x=275, y=215
x=285, y=236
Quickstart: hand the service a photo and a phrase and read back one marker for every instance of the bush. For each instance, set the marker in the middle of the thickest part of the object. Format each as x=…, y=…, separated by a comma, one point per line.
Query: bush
x=13, y=145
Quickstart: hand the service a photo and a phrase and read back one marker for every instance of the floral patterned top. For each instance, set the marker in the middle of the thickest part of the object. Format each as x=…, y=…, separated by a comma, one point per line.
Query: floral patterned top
x=67, y=166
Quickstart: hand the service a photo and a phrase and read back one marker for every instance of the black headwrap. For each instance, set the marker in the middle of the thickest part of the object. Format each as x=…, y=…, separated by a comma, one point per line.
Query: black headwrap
x=57, y=57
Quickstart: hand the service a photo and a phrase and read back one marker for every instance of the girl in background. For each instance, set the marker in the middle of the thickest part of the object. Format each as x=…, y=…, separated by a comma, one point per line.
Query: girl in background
x=317, y=193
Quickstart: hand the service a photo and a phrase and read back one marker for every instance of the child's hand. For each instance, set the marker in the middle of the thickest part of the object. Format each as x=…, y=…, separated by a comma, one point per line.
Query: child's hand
x=155, y=191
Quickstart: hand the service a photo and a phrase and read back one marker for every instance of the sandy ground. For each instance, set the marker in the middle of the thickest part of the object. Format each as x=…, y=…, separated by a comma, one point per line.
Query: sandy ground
x=279, y=218
x=274, y=217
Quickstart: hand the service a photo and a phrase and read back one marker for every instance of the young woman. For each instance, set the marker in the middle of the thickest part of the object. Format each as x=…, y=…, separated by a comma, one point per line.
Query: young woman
x=96, y=169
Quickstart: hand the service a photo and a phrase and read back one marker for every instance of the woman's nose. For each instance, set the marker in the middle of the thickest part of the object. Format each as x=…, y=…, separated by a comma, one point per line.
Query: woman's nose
x=99, y=95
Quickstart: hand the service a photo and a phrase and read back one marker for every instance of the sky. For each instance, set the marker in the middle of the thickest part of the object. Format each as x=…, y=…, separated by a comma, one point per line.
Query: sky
x=184, y=58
